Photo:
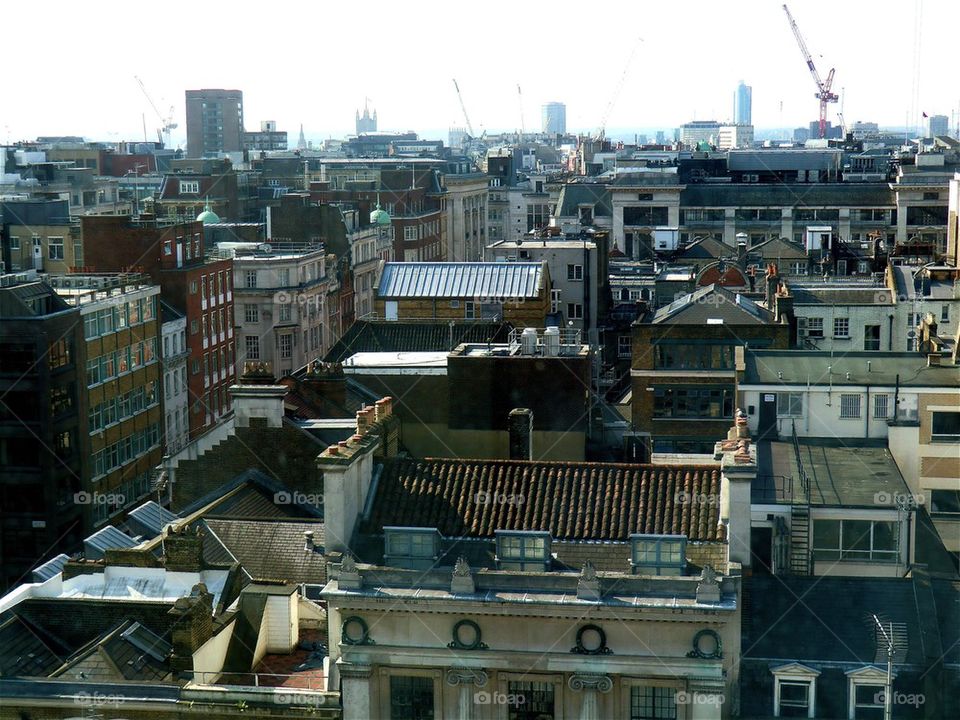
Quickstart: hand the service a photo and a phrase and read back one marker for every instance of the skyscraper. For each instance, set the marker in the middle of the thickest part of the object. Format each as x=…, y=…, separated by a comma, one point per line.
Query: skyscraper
x=743, y=105
x=937, y=125
x=214, y=122
x=554, y=118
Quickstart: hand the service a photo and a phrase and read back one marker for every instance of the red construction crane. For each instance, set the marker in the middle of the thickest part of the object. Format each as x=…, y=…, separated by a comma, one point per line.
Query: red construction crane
x=824, y=94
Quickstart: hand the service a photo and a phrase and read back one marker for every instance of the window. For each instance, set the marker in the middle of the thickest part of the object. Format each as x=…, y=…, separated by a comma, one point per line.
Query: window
x=574, y=311
x=250, y=278
x=194, y=326
x=251, y=313
x=881, y=407
x=945, y=426
x=524, y=551
x=693, y=402
x=555, y=300
x=55, y=248
x=867, y=700
x=790, y=404
x=283, y=277
x=285, y=312
x=815, y=327
x=871, y=337
x=189, y=187
x=653, y=703
x=411, y=698
x=945, y=501
x=470, y=310
x=574, y=272
x=537, y=700
x=624, y=346
x=413, y=548
x=849, y=406
x=857, y=540
x=167, y=246
x=658, y=554
x=841, y=327
x=286, y=346
x=794, y=698
x=944, y=313
x=701, y=356
x=798, y=268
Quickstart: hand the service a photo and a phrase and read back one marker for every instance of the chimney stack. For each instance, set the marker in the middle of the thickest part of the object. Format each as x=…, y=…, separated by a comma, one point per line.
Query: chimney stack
x=773, y=279
x=520, y=427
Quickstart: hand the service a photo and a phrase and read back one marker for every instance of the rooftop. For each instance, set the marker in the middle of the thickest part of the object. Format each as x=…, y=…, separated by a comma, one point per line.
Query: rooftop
x=571, y=500
x=818, y=367
x=713, y=305
x=497, y=280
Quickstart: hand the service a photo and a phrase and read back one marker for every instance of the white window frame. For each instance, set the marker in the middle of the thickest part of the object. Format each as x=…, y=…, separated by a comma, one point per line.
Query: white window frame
x=285, y=346
x=574, y=272
x=847, y=403
x=864, y=677
x=845, y=324
x=189, y=187
x=528, y=556
x=251, y=313
x=248, y=346
x=881, y=406
x=660, y=542
x=574, y=311
x=815, y=327
x=625, y=349
x=795, y=674
x=790, y=399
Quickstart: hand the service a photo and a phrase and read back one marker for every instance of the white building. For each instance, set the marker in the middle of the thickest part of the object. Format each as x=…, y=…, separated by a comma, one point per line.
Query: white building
x=174, y=367
x=280, y=305
x=698, y=131
x=731, y=137
x=466, y=206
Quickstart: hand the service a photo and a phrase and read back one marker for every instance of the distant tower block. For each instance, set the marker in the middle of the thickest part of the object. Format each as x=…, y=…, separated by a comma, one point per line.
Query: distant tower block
x=554, y=118
x=743, y=104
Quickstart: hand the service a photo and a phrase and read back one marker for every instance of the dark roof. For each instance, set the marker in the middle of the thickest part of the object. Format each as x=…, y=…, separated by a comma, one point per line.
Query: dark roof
x=706, y=248
x=420, y=336
x=129, y=652
x=274, y=550
x=572, y=195
x=829, y=619
x=22, y=652
x=776, y=248
x=839, y=295
x=713, y=302
x=802, y=367
x=571, y=500
x=168, y=313
x=787, y=195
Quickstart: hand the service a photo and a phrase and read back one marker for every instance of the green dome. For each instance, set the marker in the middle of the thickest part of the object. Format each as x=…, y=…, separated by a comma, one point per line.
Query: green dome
x=380, y=217
x=208, y=216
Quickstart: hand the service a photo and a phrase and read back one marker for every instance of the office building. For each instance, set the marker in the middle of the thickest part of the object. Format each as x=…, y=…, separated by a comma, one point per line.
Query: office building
x=214, y=122
x=554, y=118
x=936, y=125
x=267, y=138
x=698, y=131
x=743, y=105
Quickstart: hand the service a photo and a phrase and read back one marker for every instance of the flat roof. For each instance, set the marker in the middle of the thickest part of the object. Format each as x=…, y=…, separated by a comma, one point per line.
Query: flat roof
x=841, y=472
x=821, y=367
x=385, y=360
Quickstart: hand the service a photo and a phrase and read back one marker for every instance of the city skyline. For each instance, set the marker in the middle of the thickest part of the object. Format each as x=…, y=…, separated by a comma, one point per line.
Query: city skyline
x=662, y=84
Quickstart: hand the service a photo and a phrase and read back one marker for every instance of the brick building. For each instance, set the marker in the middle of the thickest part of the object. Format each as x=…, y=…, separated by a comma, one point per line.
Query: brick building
x=199, y=287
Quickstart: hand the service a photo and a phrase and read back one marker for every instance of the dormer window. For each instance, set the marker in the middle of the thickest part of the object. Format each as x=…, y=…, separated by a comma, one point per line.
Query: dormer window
x=189, y=187
x=415, y=548
x=526, y=551
x=658, y=554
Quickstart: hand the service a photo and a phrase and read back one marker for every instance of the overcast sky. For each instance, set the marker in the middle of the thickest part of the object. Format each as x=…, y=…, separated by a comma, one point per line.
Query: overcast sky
x=70, y=66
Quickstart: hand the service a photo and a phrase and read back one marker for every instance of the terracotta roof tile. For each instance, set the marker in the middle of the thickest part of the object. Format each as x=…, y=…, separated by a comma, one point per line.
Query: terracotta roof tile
x=573, y=501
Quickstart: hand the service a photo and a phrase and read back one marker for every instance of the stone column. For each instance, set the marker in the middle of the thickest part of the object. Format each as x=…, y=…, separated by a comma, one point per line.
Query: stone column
x=355, y=691
x=590, y=686
x=466, y=679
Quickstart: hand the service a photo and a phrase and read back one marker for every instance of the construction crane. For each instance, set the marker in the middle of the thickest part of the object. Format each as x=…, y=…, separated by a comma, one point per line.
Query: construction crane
x=166, y=123
x=464, y=108
x=824, y=93
x=618, y=89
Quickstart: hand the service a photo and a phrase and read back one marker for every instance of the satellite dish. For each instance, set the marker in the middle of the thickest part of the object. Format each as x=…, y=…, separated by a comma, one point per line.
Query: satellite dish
x=266, y=247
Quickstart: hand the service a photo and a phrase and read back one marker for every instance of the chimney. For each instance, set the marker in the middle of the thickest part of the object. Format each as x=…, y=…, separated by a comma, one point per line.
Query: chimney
x=183, y=550
x=773, y=280
x=738, y=471
x=327, y=381
x=347, y=471
x=192, y=627
x=520, y=428
x=257, y=399
x=383, y=409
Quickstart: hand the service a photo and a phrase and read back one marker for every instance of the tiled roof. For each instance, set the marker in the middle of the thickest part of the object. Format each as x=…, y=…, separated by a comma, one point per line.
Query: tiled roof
x=274, y=551
x=575, y=501
x=426, y=335
x=498, y=280
x=22, y=652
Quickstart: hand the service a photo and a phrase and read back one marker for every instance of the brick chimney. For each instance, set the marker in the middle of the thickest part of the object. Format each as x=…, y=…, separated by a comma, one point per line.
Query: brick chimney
x=192, y=627
x=183, y=549
x=520, y=428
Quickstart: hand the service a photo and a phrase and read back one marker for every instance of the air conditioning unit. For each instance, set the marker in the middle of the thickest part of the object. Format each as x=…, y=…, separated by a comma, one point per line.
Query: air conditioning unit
x=802, y=327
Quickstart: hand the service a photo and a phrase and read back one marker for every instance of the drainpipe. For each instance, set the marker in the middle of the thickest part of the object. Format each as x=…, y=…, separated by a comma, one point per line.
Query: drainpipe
x=890, y=335
x=866, y=414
